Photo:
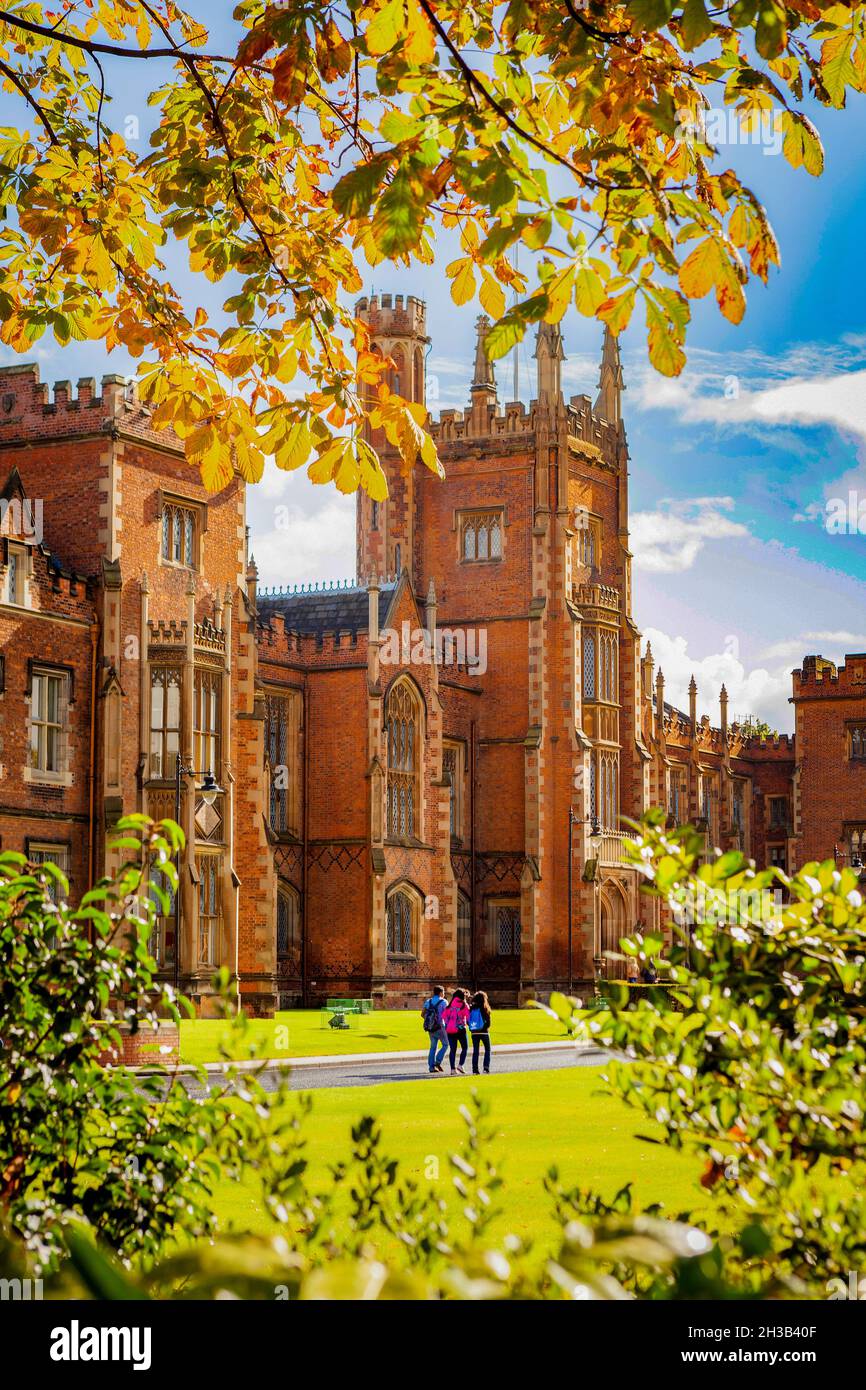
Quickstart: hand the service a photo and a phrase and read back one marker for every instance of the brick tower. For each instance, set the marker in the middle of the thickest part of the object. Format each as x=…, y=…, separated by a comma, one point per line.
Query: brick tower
x=386, y=530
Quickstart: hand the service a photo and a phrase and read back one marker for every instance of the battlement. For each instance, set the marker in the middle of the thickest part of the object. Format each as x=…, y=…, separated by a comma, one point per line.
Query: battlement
x=775, y=747
x=277, y=641
x=31, y=408
x=489, y=422
x=391, y=316
x=164, y=633
x=710, y=738
x=818, y=676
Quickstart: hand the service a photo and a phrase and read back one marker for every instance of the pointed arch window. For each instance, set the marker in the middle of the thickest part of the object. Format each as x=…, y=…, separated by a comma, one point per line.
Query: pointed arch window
x=397, y=375
x=402, y=731
x=418, y=390
x=402, y=915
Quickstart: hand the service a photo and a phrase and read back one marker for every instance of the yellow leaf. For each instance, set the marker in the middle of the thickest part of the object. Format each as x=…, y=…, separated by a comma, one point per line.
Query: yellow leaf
x=385, y=28
x=295, y=448
x=420, y=45
x=463, y=285
x=701, y=268
x=492, y=296
x=588, y=291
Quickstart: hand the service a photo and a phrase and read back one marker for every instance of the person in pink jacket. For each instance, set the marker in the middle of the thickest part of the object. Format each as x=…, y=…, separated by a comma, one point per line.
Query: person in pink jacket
x=454, y=1019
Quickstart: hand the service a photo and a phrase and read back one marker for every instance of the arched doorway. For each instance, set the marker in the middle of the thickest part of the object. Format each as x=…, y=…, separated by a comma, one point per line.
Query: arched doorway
x=614, y=924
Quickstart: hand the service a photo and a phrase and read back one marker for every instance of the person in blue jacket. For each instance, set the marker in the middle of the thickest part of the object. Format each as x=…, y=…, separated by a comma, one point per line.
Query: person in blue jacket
x=479, y=1027
x=431, y=1013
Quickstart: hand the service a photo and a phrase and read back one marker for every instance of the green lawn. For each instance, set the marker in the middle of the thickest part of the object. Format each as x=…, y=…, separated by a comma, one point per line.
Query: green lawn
x=541, y=1118
x=300, y=1033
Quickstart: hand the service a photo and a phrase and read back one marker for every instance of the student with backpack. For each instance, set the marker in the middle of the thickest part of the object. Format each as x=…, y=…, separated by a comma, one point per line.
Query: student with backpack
x=431, y=1013
x=479, y=1027
x=454, y=1021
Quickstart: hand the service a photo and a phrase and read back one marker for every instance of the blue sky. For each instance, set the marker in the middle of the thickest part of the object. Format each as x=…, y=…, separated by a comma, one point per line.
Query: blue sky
x=732, y=465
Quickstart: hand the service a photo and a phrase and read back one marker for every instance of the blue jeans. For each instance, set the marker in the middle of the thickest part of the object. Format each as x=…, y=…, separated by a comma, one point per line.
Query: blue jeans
x=477, y=1040
x=438, y=1039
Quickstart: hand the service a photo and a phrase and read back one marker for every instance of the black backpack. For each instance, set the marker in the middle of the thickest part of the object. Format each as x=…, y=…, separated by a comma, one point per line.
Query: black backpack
x=432, y=1015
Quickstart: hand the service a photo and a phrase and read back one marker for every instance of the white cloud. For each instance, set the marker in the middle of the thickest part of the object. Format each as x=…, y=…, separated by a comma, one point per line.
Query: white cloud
x=809, y=385
x=669, y=541
x=300, y=533
x=833, y=645
x=759, y=690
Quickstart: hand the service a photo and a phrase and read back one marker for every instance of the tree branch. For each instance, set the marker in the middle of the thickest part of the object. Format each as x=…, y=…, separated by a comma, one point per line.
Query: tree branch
x=476, y=84
x=113, y=50
x=17, y=81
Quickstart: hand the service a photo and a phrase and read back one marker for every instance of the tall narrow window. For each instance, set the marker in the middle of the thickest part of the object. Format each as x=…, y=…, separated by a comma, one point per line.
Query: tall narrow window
x=857, y=734
x=281, y=759
x=464, y=934
x=593, y=786
x=162, y=934
x=677, y=801
x=48, y=700
x=206, y=721
x=400, y=919
x=209, y=907
x=374, y=516
x=402, y=726
x=588, y=666
x=452, y=771
x=288, y=924
x=16, y=573
x=164, y=721
x=418, y=378
x=178, y=544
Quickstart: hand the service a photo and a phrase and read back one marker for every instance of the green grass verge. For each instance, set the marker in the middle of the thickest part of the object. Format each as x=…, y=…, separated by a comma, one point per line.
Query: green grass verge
x=541, y=1118
x=299, y=1033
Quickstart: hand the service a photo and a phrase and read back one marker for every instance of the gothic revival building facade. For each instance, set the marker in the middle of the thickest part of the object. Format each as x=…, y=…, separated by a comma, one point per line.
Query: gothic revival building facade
x=419, y=776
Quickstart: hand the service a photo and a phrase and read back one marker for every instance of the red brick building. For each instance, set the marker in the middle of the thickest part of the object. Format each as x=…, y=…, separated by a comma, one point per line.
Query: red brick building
x=403, y=764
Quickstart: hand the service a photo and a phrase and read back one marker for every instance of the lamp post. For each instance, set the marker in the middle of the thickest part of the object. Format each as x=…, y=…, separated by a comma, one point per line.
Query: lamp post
x=210, y=790
x=595, y=840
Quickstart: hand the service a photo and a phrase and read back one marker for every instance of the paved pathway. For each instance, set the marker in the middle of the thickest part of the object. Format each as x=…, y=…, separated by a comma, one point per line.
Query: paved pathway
x=313, y=1073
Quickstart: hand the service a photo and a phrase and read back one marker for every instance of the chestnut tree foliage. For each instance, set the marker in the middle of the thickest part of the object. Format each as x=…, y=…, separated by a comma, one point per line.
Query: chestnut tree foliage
x=329, y=137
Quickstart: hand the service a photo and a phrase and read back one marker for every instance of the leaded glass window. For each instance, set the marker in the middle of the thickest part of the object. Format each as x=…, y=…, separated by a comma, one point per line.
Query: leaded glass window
x=402, y=734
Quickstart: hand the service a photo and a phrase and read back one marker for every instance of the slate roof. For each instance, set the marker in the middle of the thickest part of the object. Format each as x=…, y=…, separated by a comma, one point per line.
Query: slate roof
x=329, y=610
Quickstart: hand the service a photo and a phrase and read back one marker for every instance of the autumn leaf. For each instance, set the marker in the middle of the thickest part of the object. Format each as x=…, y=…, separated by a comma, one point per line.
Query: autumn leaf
x=463, y=282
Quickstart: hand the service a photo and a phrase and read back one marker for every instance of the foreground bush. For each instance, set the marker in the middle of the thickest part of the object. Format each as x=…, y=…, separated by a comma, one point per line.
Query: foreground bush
x=763, y=1073
x=107, y=1180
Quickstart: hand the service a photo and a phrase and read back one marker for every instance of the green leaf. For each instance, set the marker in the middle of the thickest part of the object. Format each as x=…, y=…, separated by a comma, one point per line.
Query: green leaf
x=354, y=193
x=695, y=25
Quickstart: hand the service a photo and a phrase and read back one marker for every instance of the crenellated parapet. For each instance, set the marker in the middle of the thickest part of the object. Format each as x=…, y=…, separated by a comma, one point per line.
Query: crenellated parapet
x=818, y=678
x=33, y=409
x=393, y=316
